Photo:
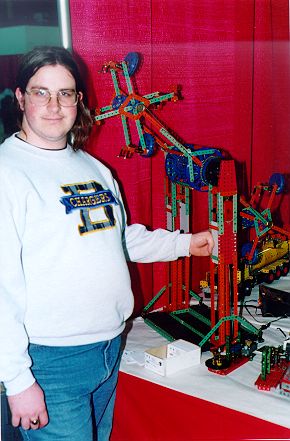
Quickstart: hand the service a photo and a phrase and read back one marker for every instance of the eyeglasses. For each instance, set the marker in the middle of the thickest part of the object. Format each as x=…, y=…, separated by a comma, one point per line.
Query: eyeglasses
x=65, y=98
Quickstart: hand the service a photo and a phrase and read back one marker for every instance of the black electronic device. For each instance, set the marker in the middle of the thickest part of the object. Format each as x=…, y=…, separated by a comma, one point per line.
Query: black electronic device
x=274, y=302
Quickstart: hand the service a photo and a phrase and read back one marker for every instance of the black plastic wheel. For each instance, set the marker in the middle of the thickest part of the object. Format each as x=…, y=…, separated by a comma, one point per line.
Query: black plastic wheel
x=278, y=273
x=285, y=269
x=269, y=277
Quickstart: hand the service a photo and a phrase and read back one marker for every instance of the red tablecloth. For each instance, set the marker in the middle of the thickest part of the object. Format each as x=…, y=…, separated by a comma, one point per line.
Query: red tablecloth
x=148, y=412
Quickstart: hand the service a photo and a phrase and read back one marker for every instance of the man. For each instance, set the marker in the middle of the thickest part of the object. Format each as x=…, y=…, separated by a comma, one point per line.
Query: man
x=64, y=284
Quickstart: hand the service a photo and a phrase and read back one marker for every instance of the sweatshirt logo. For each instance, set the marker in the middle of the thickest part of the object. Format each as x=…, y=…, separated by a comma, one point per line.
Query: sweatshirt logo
x=86, y=197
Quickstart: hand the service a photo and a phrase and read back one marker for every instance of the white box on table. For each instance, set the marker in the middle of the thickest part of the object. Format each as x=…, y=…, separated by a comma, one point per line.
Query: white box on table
x=173, y=357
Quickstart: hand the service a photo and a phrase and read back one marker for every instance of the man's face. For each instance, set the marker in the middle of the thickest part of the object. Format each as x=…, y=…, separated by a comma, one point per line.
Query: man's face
x=47, y=126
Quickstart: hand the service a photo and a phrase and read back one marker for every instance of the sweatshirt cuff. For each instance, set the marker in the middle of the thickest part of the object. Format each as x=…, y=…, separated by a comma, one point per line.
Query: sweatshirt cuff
x=182, y=245
x=20, y=383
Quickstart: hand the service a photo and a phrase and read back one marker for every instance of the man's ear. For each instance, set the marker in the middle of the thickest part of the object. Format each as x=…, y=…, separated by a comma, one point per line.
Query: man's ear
x=20, y=98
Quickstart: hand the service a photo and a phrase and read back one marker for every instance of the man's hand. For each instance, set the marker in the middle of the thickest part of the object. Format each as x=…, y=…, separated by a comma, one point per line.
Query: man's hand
x=201, y=244
x=28, y=408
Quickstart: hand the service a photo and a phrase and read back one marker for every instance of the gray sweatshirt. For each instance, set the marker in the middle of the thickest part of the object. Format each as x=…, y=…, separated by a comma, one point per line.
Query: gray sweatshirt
x=64, y=243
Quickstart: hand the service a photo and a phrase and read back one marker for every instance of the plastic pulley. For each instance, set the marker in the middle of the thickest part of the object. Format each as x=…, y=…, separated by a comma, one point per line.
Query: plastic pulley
x=171, y=167
x=211, y=170
x=208, y=172
x=118, y=101
x=279, y=179
x=150, y=144
x=246, y=249
x=196, y=184
x=247, y=223
x=132, y=61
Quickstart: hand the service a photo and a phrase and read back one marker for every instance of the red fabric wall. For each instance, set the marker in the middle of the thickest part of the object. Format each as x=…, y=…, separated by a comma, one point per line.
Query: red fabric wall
x=231, y=58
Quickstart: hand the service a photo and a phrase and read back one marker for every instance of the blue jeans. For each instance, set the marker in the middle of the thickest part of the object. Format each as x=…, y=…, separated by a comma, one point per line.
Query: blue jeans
x=79, y=384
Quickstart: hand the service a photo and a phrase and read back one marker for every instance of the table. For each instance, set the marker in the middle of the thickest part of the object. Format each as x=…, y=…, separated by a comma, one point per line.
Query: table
x=195, y=404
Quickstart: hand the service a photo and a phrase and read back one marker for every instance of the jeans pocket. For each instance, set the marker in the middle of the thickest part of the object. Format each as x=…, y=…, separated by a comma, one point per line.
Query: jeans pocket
x=111, y=356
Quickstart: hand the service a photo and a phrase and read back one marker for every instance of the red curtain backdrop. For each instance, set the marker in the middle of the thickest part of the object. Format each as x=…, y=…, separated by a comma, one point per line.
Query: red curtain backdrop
x=231, y=58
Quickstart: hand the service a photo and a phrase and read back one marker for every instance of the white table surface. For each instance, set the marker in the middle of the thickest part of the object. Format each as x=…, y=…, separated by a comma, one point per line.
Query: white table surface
x=236, y=390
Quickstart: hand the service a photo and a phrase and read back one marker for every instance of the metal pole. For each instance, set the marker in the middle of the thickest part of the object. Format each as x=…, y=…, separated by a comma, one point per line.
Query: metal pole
x=64, y=23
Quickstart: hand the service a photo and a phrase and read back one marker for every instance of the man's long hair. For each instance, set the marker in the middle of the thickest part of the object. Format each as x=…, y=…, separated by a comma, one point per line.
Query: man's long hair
x=51, y=56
